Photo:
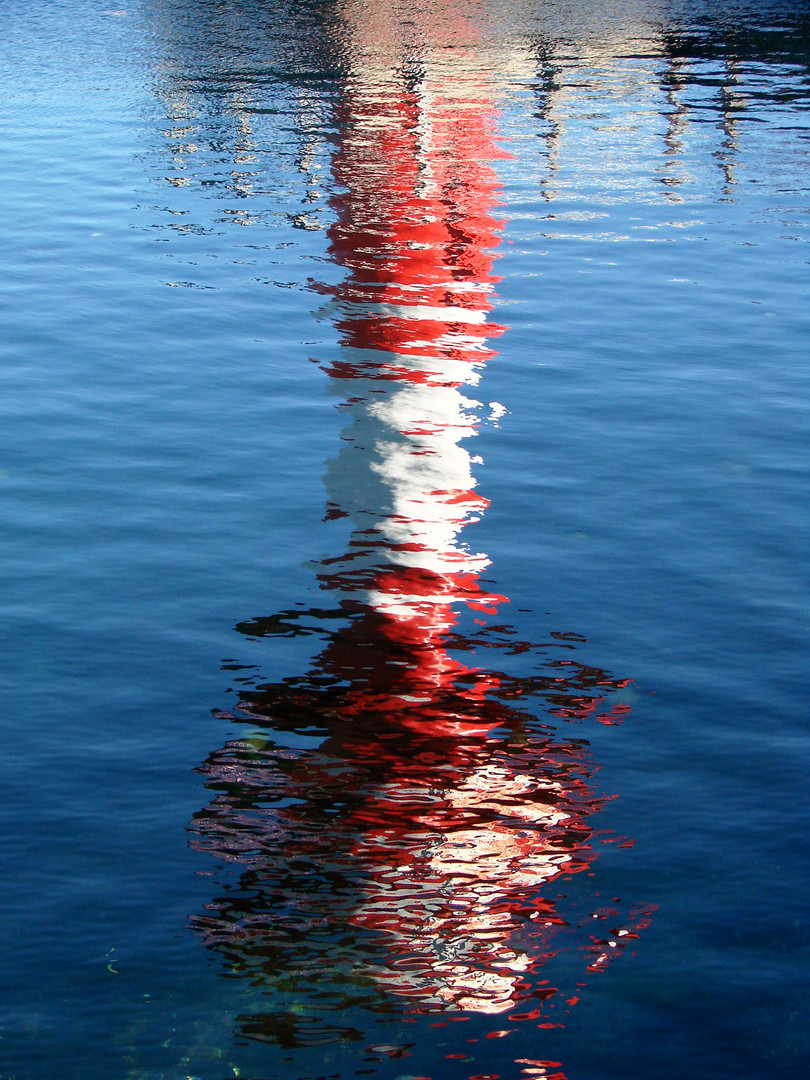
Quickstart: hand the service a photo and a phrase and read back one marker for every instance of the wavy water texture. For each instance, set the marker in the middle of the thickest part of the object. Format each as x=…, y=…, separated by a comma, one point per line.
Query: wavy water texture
x=455, y=351
x=414, y=852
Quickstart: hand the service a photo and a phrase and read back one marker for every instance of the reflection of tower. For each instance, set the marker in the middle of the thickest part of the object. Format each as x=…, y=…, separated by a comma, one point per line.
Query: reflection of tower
x=399, y=812
x=415, y=231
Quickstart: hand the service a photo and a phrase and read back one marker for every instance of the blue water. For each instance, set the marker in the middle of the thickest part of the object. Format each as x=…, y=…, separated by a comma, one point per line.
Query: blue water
x=390, y=392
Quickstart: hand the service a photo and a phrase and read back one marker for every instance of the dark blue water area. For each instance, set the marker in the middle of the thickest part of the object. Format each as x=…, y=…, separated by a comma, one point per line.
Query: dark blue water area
x=389, y=394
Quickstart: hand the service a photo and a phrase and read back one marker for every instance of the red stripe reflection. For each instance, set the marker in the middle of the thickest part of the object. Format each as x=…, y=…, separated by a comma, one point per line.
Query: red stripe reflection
x=401, y=810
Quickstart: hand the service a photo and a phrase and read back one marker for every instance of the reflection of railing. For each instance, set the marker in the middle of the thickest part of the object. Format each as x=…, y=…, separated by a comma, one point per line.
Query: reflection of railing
x=406, y=849
x=678, y=87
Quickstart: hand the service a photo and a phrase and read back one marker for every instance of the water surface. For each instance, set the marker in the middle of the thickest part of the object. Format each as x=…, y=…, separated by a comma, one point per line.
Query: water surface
x=404, y=575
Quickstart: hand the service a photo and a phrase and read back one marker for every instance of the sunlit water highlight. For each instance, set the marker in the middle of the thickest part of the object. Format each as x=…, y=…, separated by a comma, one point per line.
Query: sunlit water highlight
x=456, y=355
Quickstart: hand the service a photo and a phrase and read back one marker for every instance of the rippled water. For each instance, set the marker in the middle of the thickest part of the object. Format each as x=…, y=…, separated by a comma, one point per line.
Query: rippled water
x=405, y=586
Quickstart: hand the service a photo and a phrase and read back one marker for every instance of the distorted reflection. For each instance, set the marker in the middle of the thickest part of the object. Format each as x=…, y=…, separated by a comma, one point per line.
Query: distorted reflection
x=398, y=812
x=627, y=101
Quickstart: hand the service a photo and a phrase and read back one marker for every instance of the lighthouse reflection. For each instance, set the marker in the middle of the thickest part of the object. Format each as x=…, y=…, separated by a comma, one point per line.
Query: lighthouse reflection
x=397, y=813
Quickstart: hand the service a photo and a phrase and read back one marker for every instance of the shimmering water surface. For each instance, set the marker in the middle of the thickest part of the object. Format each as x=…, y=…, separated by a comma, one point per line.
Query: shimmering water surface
x=404, y=471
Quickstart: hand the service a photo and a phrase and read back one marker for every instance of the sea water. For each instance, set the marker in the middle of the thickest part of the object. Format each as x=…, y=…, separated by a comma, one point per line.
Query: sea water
x=404, y=470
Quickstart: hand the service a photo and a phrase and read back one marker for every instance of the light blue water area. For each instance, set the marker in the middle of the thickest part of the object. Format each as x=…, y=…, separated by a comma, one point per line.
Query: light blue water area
x=390, y=392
